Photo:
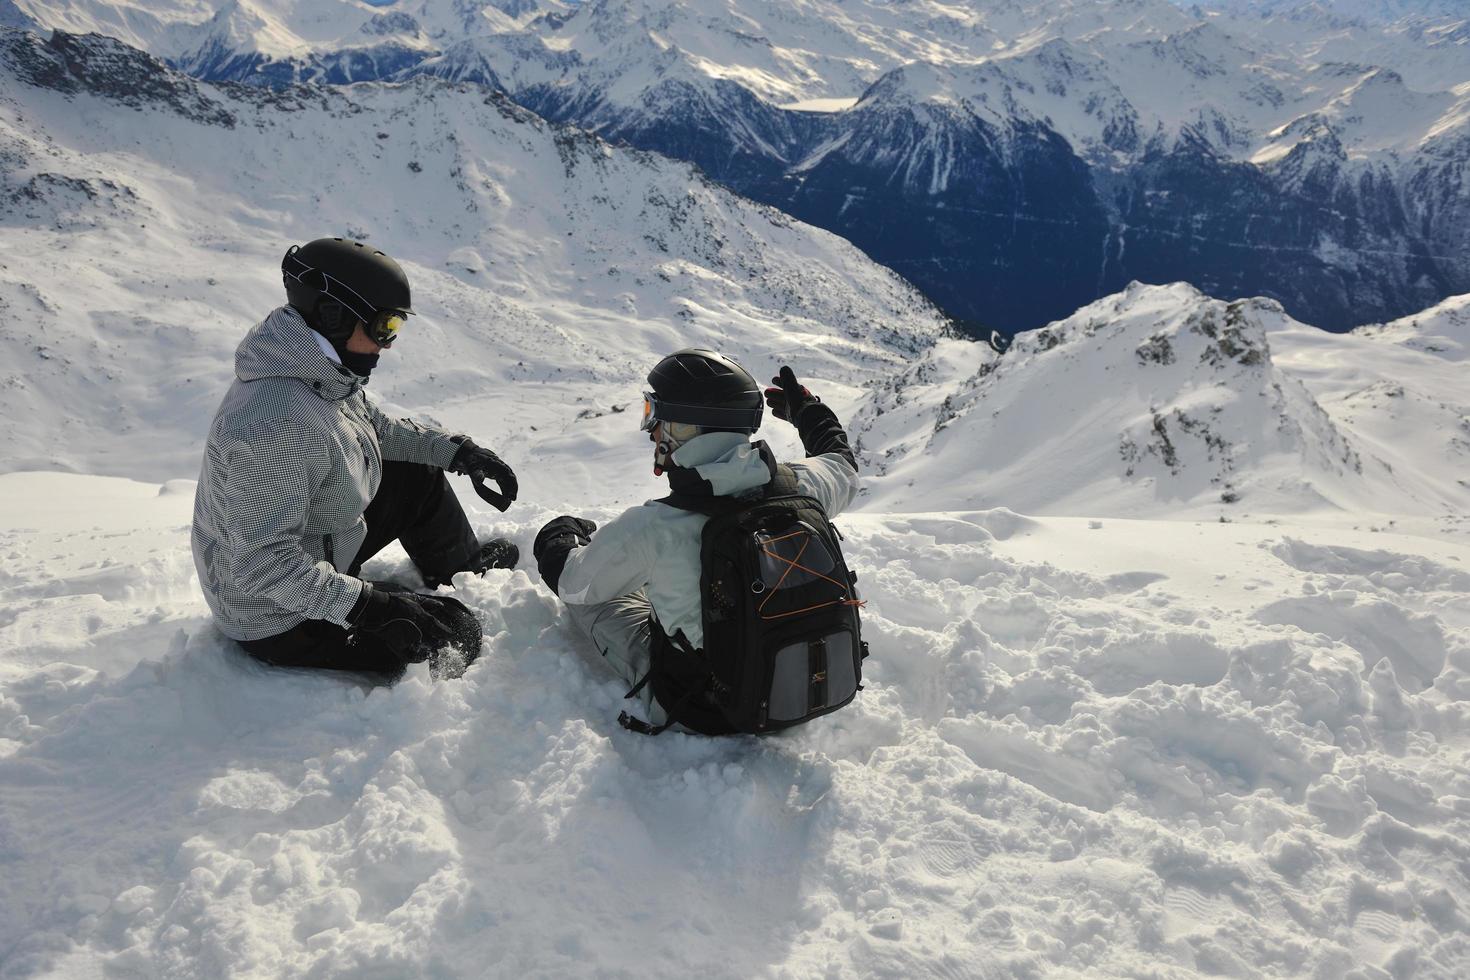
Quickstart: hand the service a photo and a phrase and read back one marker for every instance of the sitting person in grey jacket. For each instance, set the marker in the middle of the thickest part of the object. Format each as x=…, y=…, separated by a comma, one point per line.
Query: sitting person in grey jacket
x=636, y=583
x=304, y=480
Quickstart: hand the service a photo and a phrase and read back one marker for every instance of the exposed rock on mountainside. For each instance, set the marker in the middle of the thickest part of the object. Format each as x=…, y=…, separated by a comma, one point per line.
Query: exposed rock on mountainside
x=103, y=67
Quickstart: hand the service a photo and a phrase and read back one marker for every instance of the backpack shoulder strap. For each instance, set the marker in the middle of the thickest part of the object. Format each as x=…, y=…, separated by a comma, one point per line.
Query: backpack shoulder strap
x=709, y=506
x=783, y=482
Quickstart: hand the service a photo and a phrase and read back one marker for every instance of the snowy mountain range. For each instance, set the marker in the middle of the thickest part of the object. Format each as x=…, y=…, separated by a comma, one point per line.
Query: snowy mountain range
x=1343, y=11
x=1015, y=161
x=146, y=209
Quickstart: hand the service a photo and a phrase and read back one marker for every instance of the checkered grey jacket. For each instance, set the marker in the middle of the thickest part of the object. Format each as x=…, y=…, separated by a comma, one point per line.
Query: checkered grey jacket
x=294, y=456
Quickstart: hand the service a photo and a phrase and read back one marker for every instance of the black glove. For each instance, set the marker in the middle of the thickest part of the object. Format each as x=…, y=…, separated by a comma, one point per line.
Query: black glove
x=480, y=464
x=788, y=397
x=452, y=659
x=404, y=621
x=555, y=541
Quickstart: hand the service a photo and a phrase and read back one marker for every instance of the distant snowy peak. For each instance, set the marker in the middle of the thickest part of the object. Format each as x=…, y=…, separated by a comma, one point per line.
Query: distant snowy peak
x=1055, y=86
x=247, y=41
x=1443, y=330
x=273, y=42
x=1103, y=103
x=1156, y=397
x=1338, y=11
x=240, y=33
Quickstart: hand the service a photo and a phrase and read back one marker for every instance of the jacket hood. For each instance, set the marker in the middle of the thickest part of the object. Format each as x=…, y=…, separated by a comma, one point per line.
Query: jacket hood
x=283, y=346
x=721, y=464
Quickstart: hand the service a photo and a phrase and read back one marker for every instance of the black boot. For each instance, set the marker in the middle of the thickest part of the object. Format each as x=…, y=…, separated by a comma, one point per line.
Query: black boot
x=495, y=553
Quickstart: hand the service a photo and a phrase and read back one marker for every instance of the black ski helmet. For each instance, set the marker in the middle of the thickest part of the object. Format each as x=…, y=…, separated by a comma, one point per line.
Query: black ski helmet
x=330, y=277
x=707, y=389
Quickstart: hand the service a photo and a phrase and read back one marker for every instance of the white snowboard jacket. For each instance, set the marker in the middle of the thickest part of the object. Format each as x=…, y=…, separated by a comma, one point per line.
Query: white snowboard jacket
x=655, y=547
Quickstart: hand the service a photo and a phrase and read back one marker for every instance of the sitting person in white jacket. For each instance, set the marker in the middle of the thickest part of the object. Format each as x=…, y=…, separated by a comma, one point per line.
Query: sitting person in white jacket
x=639, y=576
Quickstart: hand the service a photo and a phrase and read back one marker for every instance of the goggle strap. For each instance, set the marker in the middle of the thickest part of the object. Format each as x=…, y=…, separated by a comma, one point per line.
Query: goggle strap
x=709, y=416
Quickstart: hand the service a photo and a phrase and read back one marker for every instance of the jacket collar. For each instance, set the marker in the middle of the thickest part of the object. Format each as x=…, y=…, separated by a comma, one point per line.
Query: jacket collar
x=720, y=464
x=283, y=346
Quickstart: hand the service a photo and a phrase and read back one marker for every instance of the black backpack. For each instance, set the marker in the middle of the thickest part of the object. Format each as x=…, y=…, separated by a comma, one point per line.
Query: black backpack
x=782, y=639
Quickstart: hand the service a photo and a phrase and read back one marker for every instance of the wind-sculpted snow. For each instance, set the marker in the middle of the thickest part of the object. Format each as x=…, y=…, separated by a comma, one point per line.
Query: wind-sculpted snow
x=1084, y=749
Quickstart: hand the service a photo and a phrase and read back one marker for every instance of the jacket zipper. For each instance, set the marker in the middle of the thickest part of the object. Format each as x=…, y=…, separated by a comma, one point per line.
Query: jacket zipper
x=327, y=550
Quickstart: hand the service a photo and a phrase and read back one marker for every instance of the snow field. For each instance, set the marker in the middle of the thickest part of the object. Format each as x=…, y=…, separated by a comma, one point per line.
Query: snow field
x=1080, y=765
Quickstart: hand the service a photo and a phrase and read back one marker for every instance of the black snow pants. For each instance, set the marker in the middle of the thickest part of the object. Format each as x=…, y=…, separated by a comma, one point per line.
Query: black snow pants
x=415, y=506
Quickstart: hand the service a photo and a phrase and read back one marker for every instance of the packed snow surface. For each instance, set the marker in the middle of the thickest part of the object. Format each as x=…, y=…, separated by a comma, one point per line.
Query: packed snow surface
x=1087, y=747
x=1113, y=724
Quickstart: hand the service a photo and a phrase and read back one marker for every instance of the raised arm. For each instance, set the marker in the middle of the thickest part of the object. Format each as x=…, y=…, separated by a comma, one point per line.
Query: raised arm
x=830, y=472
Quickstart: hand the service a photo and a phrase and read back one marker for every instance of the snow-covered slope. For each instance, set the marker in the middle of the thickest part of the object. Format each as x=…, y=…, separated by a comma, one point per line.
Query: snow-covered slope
x=145, y=215
x=1086, y=749
x=1162, y=400
x=1442, y=330
x=1399, y=393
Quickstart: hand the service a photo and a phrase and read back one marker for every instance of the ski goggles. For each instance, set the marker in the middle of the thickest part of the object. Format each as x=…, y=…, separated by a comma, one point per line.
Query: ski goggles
x=650, y=413
x=707, y=416
x=383, y=328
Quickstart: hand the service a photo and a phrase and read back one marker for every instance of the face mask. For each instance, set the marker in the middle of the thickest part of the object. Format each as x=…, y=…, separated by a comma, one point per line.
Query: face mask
x=359, y=364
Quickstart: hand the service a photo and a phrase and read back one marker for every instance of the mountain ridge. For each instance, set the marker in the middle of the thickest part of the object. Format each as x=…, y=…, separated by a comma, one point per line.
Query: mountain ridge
x=1162, y=399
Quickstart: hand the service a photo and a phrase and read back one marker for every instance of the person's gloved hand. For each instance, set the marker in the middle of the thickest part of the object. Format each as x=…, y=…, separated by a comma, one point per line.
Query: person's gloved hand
x=788, y=397
x=555, y=541
x=405, y=621
x=576, y=531
x=480, y=464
